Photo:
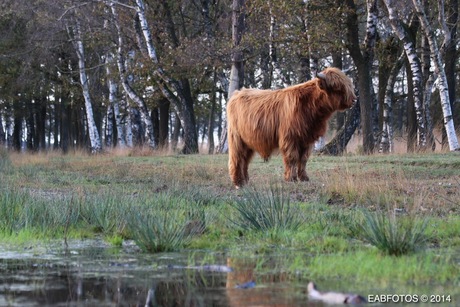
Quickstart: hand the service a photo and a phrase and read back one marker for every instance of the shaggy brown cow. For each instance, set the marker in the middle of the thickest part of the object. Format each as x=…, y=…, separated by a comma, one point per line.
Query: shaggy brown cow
x=290, y=119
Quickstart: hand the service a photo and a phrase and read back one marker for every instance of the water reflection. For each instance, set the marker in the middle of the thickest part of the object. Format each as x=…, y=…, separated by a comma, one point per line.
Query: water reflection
x=93, y=274
x=90, y=273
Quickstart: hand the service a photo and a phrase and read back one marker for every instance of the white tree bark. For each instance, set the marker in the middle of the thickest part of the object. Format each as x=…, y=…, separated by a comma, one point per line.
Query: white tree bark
x=176, y=92
x=429, y=84
x=114, y=103
x=222, y=147
x=121, y=137
x=9, y=126
x=442, y=80
x=2, y=133
x=416, y=70
x=109, y=126
x=129, y=128
x=319, y=144
x=140, y=9
x=137, y=99
x=80, y=50
x=386, y=142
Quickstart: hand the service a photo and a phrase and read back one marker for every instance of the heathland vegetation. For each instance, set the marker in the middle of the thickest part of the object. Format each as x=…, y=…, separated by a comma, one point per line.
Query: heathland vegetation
x=375, y=218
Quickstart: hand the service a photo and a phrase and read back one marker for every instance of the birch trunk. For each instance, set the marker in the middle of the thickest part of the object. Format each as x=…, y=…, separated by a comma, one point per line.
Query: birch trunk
x=416, y=70
x=430, y=141
x=449, y=21
x=237, y=70
x=9, y=125
x=428, y=81
x=213, y=100
x=121, y=137
x=129, y=128
x=2, y=133
x=137, y=99
x=136, y=127
x=222, y=132
x=177, y=92
x=442, y=80
x=109, y=127
x=114, y=103
x=386, y=142
x=80, y=50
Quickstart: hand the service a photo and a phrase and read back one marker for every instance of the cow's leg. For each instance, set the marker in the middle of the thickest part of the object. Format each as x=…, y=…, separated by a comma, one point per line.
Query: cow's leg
x=235, y=169
x=234, y=158
x=290, y=158
x=302, y=163
x=239, y=155
x=248, y=154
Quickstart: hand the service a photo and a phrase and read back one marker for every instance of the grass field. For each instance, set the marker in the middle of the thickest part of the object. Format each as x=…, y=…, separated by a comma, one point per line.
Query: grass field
x=347, y=219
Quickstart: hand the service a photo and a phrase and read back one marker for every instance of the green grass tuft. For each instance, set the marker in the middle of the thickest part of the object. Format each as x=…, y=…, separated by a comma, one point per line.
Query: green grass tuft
x=167, y=223
x=106, y=213
x=12, y=205
x=392, y=234
x=266, y=210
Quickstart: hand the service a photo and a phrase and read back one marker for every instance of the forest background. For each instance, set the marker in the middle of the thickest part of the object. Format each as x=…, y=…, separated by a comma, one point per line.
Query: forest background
x=97, y=74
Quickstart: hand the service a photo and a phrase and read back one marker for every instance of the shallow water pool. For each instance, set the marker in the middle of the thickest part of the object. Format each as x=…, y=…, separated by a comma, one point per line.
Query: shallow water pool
x=92, y=273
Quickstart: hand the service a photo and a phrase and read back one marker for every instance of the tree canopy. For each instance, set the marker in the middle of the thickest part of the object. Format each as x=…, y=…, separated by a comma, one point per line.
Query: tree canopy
x=156, y=73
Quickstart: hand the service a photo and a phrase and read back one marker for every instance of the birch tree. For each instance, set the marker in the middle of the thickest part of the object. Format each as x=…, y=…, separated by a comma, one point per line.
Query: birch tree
x=237, y=70
x=415, y=67
x=114, y=102
x=449, y=21
x=2, y=133
x=109, y=127
x=441, y=74
x=386, y=142
x=75, y=34
x=132, y=94
x=177, y=92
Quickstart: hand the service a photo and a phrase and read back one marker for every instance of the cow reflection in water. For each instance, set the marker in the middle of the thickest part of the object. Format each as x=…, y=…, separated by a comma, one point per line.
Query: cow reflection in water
x=242, y=289
x=204, y=289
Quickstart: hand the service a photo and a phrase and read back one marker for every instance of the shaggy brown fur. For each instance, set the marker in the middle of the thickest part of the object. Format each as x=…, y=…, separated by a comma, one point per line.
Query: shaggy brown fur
x=290, y=119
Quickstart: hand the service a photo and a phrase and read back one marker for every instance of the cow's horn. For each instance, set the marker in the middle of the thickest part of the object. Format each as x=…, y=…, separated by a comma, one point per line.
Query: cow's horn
x=321, y=75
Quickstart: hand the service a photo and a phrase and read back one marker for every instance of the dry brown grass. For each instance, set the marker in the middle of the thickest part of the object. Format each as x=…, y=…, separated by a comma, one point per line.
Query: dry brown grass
x=416, y=182
x=404, y=186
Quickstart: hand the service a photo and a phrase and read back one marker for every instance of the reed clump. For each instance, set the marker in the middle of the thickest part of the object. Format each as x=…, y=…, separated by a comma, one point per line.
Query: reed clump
x=266, y=210
x=393, y=234
x=165, y=223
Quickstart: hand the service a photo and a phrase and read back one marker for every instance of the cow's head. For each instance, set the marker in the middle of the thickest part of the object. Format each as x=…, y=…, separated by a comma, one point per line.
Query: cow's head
x=335, y=82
